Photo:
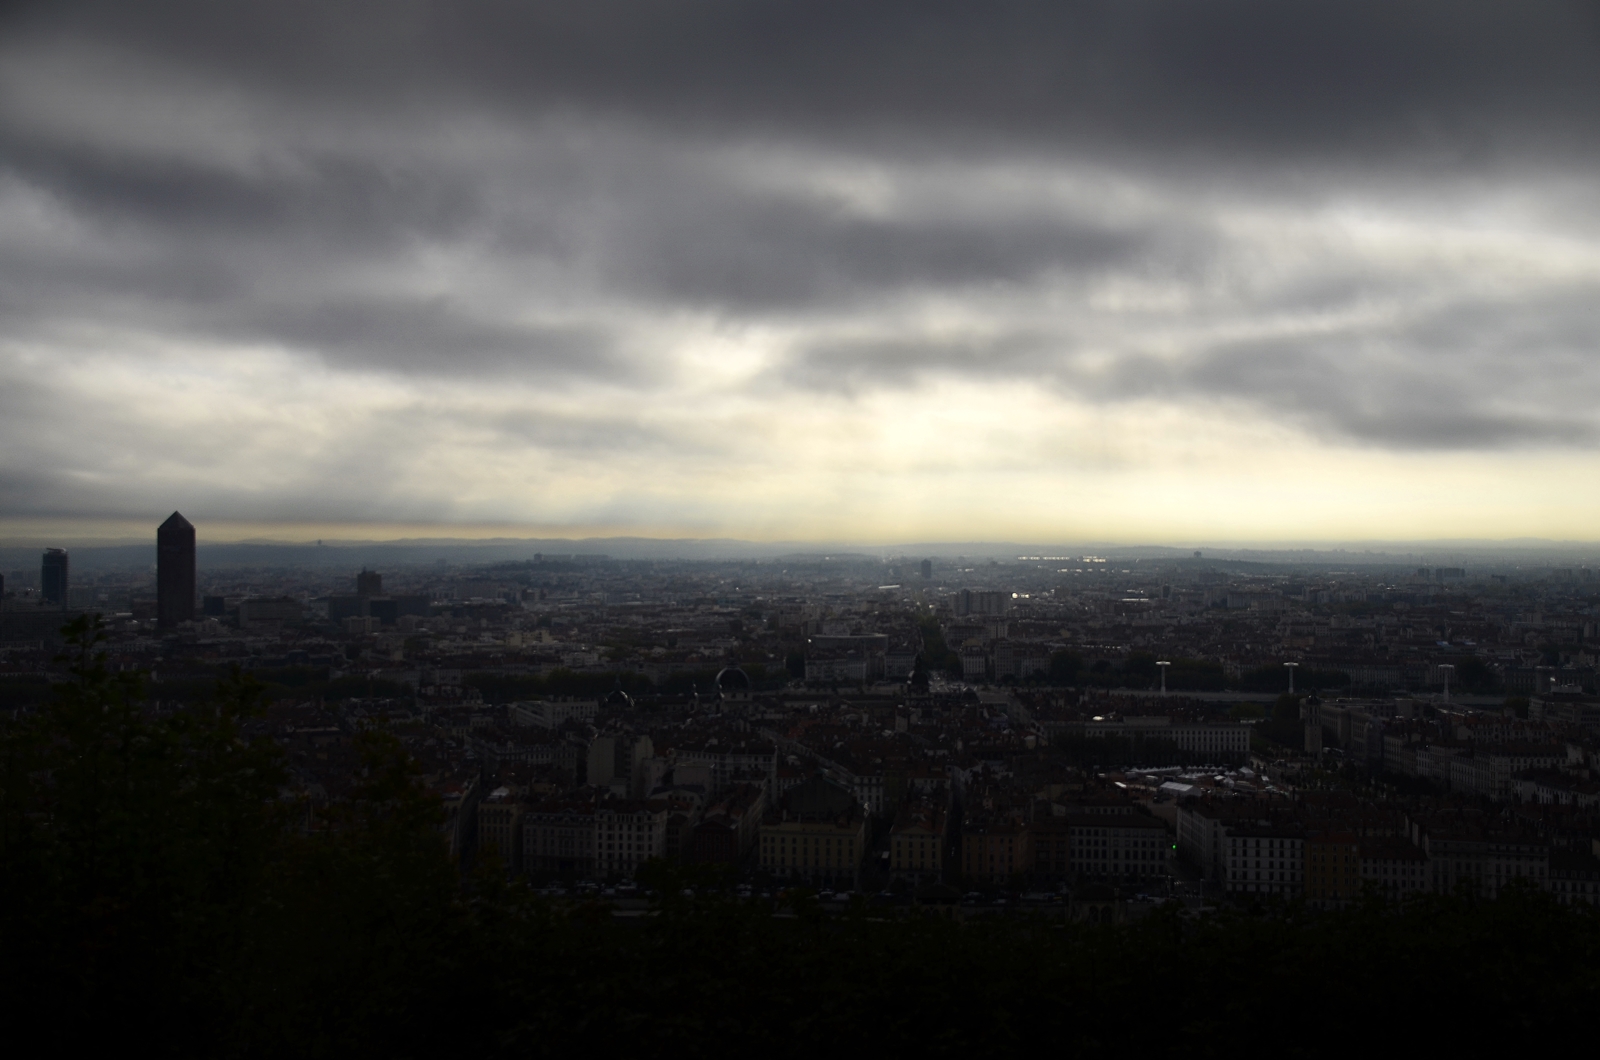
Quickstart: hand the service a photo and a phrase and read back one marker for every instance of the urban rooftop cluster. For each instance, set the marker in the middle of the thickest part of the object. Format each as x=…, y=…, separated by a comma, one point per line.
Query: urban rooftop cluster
x=1077, y=734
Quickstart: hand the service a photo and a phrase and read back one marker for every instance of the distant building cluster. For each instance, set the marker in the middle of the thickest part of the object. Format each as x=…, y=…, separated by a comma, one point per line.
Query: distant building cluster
x=1073, y=732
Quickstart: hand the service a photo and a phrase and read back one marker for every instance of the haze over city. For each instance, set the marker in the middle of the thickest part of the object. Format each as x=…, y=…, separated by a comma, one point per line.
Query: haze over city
x=755, y=528
x=1171, y=273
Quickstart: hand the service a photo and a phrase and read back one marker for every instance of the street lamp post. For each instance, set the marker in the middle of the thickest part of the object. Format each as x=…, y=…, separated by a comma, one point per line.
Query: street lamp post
x=1163, y=664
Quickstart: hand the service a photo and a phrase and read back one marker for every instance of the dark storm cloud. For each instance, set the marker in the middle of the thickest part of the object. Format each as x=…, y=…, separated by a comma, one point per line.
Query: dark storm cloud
x=219, y=301
x=179, y=244
x=340, y=196
x=751, y=255
x=541, y=194
x=30, y=480
x=1466, y=375
x=1359, y=74
x=1375, y=397
x=419, y=334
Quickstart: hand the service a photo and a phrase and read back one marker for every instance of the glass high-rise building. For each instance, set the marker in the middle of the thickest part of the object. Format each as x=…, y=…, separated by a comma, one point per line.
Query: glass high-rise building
x=53, y=576
x=174, y=571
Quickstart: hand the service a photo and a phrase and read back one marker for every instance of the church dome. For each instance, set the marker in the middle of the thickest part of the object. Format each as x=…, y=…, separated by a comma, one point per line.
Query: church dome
x=733, y=680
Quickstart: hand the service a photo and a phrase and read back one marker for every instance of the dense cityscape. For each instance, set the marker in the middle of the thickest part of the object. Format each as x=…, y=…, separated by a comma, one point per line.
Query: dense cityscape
x=1076, y=734
x=758, y=529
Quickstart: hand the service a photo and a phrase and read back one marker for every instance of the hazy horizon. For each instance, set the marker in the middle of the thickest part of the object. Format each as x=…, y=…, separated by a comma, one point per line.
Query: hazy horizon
x=1485, y=554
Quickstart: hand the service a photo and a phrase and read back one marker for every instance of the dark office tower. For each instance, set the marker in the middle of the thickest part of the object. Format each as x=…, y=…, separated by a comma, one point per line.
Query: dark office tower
x=927, y=569
x=53, y=576
x=174, y=572
x=369, y=583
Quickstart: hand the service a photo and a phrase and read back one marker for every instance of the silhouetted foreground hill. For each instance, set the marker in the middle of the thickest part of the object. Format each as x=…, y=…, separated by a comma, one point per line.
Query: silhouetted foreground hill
x=159, y=896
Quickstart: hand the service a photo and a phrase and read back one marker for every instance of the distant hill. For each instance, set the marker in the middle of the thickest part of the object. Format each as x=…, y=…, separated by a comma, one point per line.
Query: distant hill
x=1524, y=553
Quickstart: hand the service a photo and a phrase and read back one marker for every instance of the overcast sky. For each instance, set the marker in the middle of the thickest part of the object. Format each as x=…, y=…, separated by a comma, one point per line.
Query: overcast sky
x=859, y=271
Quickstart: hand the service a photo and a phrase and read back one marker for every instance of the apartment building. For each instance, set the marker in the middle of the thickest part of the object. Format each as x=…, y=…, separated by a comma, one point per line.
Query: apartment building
x=1265, y=859
x=917, y=841
x=816, y=833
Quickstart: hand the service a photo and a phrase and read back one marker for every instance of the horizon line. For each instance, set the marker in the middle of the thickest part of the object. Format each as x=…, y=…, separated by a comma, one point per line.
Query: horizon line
x=1356, y=547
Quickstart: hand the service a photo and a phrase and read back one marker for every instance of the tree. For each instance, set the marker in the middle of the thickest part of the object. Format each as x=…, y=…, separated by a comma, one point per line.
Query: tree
x=1140, y=670
x=1196, y=675
x=1475, y=674
x=153, y=876
x=1100, y=672
x=1284, y=727
x=134, y=847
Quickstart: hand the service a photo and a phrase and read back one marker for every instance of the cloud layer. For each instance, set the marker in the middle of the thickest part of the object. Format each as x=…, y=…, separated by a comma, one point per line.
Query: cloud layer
x=787, y=269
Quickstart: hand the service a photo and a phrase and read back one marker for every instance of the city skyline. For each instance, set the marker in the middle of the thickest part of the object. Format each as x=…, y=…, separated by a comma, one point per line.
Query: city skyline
x=1097, y=272
x=230, y=549
x=727, y=527
x=111, y=536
